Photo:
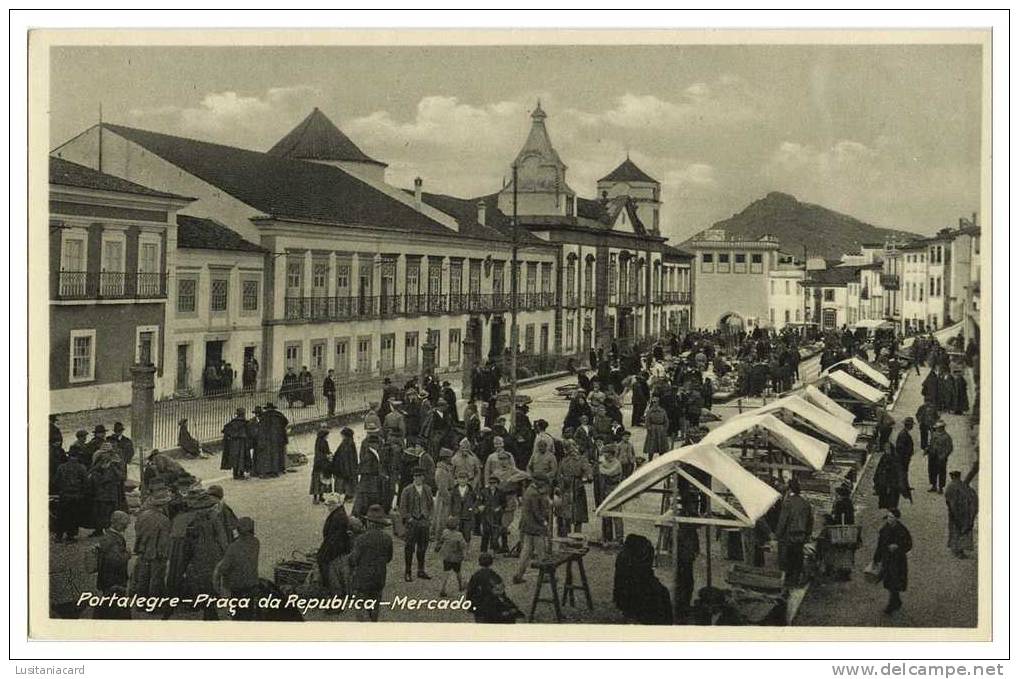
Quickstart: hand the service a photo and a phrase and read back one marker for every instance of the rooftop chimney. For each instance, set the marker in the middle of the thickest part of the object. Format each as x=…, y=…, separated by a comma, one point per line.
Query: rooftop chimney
x=417, y=192
x=481, y=212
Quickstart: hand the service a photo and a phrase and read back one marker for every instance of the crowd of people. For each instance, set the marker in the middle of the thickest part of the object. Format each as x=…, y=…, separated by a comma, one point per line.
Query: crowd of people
x=442, y=479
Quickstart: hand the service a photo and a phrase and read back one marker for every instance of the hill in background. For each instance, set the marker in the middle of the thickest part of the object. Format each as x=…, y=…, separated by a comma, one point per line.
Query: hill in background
x=824, y=232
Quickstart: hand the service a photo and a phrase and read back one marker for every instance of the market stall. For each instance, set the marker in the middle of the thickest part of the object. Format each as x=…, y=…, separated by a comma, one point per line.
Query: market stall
x=811, y=419
x=765, y=443
x=815, y=396
x=856, y=391
x=861, y=370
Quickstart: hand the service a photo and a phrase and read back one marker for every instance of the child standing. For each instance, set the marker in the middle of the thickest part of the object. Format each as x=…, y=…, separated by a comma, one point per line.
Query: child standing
x=453, y=549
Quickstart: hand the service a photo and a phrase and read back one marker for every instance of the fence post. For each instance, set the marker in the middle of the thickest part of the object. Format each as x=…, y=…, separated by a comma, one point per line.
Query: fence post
x=142, y=409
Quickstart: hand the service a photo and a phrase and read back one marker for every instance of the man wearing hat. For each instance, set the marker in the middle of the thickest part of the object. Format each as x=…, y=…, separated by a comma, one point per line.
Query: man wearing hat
x=491, y=501
x=112, y=556
x=394, y=428
x=273, y=438
x=224, y=515
x=937, y=457
x=961, y=501
x=904, y=447
x=235, y=445
x=449, y=396
x=107, y=482
x=535, y=512
x=463, y=505
x=92, y=447
x=443, y=486
x=122, y=444
x=80, y=447
x=369, y=470
x=369, y=558
x=371, y=418
x=412, y=457
x=236, y=574
x=329, y=392
x=416, y=507
x=71, y=483
x=152, y=544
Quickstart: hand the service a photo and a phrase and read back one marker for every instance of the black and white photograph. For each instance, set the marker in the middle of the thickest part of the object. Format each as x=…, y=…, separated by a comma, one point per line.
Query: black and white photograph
x=637, y=338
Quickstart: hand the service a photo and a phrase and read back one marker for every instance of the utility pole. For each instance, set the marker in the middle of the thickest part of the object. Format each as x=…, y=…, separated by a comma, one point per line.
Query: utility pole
x=513, y=312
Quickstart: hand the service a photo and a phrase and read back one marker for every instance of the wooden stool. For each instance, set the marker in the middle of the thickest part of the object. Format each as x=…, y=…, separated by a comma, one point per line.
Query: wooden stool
x=569, y=587
x=546, y=573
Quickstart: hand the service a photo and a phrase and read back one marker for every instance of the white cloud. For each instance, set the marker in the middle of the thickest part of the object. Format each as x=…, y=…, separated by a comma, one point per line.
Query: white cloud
x=233, y=118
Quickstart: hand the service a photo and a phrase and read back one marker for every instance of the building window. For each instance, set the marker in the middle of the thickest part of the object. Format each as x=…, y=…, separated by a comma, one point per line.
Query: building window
x=787, y=287
x=364, y=354
x=319, y=276
x=707, y=262
x=341, y=356
x=454, y=346
x=456, y=277
x=435, y=339
x=543, y=343
x=740, y=263
x=83, y=365
x=343, y=279
x=146, y=345
x=249, y=295
x=474, y=277
x=723, y=262
x=569, y=334
x=932, y=286
x=410, y=350
x=186, y=295
x=529, y=339
x=295, y=274
x=756, y=263
x=799, y=316
x=434, y=276
x=772, y=283
x=829, y=295
x=787, y=315
x=546, y=277
x=413, y=280
x=771, y=315
x=318, y=356
x=498, y=277
x=612, y=277
x=532, y=278
x=292, y=355
x=387, y=353
x=111, y=281
x=218, y=295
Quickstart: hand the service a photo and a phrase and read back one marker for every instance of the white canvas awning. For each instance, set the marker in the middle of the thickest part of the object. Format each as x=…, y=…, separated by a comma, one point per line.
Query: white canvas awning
x=865, y=368
x=806, y=449
x=813, y=395
x=858, y=389
x=754, y=496
x=792, y=408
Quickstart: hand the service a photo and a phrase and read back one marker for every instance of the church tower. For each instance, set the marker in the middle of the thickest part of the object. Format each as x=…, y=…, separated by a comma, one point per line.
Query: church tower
x=541, y=176
x=642, y=188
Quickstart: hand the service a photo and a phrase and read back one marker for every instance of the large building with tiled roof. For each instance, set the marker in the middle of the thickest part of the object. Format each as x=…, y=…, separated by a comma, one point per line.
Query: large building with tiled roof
x=356, y=275
x=112, y=243
x=616, y=284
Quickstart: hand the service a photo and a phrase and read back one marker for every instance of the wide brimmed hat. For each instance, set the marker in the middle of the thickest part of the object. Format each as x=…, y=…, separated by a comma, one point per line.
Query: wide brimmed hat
x=99, y=429
x=371, y=428
x=118, y=426
x=940, y=424
x=445, y=452
x=377, y=515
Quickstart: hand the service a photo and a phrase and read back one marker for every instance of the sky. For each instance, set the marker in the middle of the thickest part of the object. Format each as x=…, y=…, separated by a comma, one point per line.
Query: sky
x=889, y=134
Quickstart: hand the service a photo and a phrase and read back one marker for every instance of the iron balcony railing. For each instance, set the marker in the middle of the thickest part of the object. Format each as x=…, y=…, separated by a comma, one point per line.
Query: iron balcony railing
x=676, y=297
x=589, y=299
x=312, y=308
x=86, y=285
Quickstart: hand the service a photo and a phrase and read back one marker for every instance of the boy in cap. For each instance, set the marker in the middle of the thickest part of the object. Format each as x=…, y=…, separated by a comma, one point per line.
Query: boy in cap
x=463, y=503
x=536, y=510
x=453, y=549
x=489, y=510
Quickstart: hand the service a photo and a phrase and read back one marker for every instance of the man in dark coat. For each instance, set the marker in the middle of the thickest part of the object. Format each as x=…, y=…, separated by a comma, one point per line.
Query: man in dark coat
x=122, y=444
x=893, y=544
x=795, y=526
x=926, y=416
x=71, y=484
x=306, y=386
x=636, y=591
x=641, y=395
x=904, y=446
x=112, y=558
x=938, y=451
x=369, y=557
x=931, y=389
x=369, y=471
x=449, y=396
x=329, y=392
x=235, y=445
x=107, y=483
x=98, y=439
x=344, y=468
x=960, y=394
x=290, y=388
x=273, y=437
x=416, y=506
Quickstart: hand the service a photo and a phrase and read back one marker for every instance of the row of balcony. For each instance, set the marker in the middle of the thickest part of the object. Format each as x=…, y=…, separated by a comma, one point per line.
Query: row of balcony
x=375, y=306
x=628, y=299
x=89, y=285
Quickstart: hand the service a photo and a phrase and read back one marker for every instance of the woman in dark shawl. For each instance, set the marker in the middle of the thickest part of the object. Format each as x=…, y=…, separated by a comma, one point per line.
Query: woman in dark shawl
x=893, y=544
x=636, y=591
x=344, y=465
x=337, y=535
x=889, y=483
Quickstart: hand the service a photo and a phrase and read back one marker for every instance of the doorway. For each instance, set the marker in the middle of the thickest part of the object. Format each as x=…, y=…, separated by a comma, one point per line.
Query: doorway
x=498, y=343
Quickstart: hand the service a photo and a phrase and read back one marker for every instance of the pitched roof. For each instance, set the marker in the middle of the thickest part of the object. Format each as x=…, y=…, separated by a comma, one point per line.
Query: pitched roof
x=65, y=173
x=628, y=172
x=673, y=251
x=284, y=188
x=317, y=138
x=208, y=234
x=497, y=226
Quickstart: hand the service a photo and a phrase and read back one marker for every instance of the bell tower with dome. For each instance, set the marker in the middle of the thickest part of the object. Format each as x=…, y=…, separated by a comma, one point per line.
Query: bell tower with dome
x=541, y=176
